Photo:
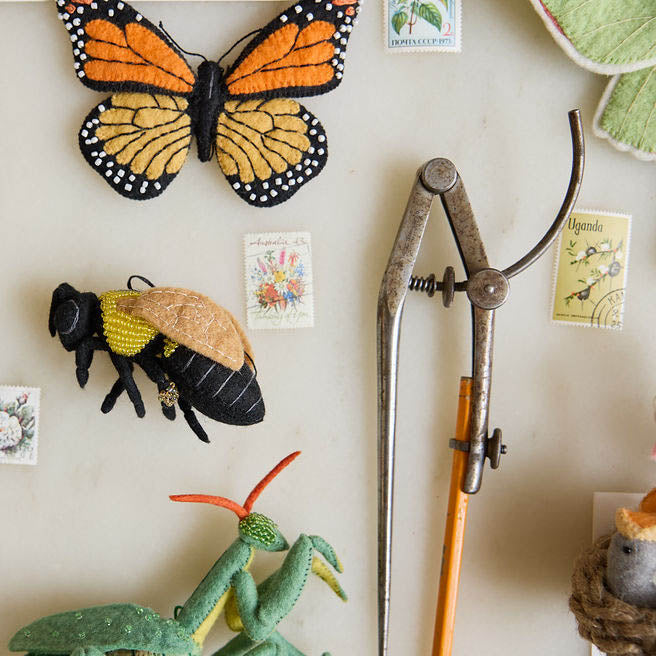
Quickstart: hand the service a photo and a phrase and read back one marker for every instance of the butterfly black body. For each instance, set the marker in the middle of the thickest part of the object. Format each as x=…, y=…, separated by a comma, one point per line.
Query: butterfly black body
x=206, y=104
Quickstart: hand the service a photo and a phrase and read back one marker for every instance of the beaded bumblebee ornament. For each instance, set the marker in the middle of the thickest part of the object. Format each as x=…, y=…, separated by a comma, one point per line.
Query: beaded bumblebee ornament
x=194, y=350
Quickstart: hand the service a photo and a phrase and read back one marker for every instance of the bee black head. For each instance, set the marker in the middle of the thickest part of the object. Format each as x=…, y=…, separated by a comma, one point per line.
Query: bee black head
x=71, y=315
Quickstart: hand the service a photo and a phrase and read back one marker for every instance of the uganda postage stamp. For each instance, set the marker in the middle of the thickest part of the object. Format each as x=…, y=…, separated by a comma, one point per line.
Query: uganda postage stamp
x=278, y=272
x=19, y=425
x=423, y=26
x=592, y=258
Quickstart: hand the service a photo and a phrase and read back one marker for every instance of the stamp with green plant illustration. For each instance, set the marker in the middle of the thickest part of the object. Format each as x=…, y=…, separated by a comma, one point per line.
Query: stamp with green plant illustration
x=423, y=25
x=591, y=267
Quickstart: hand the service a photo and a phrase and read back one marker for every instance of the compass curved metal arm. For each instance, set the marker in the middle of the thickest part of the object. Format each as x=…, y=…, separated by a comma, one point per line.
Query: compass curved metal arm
x=486, y=288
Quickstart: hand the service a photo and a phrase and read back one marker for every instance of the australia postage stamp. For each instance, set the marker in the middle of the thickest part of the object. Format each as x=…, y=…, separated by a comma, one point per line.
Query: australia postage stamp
x=423, y=25
x=19, y=425
x=278, y=271
x=591, y=267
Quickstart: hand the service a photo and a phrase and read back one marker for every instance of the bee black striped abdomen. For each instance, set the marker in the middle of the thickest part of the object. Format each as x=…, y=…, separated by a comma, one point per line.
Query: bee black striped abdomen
x=227, y=395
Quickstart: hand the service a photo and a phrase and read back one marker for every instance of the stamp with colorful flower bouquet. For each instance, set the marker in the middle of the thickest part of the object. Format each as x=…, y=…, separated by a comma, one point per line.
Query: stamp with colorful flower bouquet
x=19, y=425
x=591, y=269
x=278, y=272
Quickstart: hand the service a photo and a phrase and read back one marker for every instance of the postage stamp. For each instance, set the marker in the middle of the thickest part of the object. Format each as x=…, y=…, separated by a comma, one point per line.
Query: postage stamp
x=592, y=258
x=19, y=425
x=423, y=26
x=278, y=272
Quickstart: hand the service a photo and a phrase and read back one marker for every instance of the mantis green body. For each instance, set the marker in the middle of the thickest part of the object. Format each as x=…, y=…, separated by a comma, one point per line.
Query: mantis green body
x=254, y=611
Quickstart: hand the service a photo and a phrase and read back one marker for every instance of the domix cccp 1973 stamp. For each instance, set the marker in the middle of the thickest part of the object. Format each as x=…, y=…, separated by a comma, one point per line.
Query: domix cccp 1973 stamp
x=591, y=268
x=278, y=271
x=423, y=25
x=19, y=424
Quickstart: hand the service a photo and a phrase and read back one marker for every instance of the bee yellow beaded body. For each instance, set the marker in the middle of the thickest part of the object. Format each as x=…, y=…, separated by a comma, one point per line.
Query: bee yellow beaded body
x=126, y=334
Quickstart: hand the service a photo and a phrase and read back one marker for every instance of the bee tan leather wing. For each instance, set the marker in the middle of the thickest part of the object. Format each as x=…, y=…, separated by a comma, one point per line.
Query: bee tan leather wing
x=193, y=320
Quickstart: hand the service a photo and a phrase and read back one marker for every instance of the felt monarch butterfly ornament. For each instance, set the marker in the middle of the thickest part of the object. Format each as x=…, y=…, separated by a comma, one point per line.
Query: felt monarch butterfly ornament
x=267, y=145
x=194, y=350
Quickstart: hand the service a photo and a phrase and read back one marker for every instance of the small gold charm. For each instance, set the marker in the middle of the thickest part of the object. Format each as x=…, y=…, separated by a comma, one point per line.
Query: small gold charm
x=170, y=395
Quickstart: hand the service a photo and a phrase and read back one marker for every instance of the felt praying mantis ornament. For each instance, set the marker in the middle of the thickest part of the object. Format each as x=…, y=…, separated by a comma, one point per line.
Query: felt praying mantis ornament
x=613, y=37
x=254, y=611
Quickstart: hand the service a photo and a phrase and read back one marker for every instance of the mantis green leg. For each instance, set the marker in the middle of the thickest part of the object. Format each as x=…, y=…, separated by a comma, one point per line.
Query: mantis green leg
x=261, y=613
x=274, y=645
x=326, y=551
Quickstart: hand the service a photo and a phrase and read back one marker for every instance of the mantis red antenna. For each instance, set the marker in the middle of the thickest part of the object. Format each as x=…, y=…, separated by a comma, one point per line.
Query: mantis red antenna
x=223, y=502
x=257, y=490
x=215, y=501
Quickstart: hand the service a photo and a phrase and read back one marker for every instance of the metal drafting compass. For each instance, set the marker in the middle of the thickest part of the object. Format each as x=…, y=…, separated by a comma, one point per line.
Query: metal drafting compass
x=487, y=289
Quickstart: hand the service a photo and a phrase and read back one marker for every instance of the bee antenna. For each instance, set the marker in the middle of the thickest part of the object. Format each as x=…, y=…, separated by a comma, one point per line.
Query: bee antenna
x=177, y=45
x=144, y=280
x=234, y=45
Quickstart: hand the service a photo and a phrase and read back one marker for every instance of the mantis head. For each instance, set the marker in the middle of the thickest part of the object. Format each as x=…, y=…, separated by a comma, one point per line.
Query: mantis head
x=254, y=528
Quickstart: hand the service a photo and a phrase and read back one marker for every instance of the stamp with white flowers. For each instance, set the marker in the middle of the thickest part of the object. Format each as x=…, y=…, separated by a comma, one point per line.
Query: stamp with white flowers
x=423, y=25
x=19, y=425
x=591, y=270
x=278, y=272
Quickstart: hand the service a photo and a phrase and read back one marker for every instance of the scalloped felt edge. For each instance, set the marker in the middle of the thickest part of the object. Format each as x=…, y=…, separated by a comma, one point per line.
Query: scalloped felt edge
x=600, y=132
x=559, y=37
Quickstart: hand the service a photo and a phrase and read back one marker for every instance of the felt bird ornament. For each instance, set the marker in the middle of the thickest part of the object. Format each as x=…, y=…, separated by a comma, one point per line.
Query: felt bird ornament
x=254, y=611
x=194, y=350
x=267, y=145
x=613, y=37
x=631, y=563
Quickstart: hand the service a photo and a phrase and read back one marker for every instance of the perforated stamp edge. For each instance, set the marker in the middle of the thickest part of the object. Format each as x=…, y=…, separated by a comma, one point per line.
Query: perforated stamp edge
x=278, y=280
x=554, y=280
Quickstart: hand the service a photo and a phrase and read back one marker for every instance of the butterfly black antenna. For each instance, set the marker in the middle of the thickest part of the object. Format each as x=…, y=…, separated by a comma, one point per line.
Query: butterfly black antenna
x=236, y=43
x=177, y=45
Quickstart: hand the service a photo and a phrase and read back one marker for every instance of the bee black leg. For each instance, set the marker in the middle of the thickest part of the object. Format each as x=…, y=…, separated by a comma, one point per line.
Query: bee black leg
x=155, y=372
x=110, y=399
x=84, y=356
x=124, y=368
x=193, y=422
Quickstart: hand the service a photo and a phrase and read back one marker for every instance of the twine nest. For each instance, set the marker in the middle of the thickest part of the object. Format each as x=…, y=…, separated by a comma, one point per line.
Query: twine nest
x=611, y=624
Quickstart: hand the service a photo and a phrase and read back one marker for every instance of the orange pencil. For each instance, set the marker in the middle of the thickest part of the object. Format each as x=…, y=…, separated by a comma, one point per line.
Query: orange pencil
x=454, y=534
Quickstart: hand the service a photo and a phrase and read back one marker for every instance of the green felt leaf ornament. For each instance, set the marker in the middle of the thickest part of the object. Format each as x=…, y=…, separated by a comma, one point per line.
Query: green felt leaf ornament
x=613, y=37
x=627, y=114
x=429, y=12
x=399, y=19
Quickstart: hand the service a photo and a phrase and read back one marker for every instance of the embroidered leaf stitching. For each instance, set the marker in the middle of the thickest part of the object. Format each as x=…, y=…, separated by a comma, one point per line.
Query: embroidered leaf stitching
x=630, y=114
x=608, y=31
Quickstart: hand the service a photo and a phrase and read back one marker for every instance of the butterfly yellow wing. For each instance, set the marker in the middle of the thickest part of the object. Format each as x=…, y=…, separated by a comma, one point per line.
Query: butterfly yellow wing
x=138, y=142
x=268, y=149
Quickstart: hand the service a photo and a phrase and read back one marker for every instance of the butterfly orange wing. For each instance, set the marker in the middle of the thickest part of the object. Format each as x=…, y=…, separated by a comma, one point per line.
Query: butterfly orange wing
x=300, y=53
x=117, y=49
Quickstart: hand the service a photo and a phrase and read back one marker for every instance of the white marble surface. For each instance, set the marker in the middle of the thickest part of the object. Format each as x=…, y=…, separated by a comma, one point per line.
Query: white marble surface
x=92, y=522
